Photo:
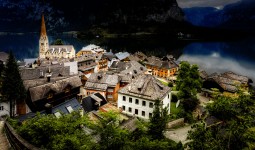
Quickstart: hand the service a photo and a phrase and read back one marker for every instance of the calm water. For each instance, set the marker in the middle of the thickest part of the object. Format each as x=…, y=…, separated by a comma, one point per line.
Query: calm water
x=237, y=56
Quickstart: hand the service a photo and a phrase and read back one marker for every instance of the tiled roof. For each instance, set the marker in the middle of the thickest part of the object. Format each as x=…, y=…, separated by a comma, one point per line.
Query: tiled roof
x=155, y=61
x=29, y=73
x=147, y=87
x=40, y=92
x=231, y=75
x=131, y=67
x=122, y=55
x=99, y=81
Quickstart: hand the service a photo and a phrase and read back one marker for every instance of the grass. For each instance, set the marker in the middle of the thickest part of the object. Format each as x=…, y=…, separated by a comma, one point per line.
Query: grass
x=165, y=83
x=173, y=109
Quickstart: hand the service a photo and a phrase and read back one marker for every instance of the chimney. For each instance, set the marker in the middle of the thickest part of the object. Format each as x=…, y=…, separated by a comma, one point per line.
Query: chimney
x=48, y=108
x=48, y=77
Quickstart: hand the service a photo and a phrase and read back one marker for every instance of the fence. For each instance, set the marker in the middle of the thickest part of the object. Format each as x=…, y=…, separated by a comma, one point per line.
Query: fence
x=16, y=141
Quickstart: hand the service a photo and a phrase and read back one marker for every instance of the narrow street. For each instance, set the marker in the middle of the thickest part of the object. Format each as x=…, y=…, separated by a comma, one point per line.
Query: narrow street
x=4, y=145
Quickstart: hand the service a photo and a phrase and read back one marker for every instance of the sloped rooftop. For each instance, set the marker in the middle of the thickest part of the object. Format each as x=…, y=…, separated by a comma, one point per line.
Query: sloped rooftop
x=147, y=87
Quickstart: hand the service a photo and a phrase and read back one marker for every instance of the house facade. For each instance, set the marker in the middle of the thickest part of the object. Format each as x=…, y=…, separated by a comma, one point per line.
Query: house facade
x=106, y=85
x=161, y=68
x=52, y=91
x=138, y=97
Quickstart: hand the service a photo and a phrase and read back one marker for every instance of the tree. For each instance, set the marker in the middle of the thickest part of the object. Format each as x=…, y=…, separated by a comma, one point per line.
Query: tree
x=237, y=130
x=49, y=132
x=111, y=135
x=13, y=89
x=158, y=121
x=188, y=83
x=58, y=42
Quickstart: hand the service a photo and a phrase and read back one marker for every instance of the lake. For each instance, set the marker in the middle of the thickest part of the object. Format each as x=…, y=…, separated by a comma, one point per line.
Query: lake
x=212, y=56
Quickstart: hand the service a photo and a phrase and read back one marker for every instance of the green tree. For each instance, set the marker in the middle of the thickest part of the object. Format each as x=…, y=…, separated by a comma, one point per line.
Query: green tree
x=237, y=130
x=158, y=121
x=58, y=42
x=188, y=83
x=111, y=135
x=49, y=132
x=13, y=89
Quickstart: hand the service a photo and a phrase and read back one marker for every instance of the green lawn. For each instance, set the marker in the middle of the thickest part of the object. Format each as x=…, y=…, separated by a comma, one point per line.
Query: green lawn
x=165, y=83
x=173, y=109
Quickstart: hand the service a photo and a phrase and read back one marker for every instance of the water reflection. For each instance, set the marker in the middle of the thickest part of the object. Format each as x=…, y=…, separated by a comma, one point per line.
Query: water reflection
x=237, y=56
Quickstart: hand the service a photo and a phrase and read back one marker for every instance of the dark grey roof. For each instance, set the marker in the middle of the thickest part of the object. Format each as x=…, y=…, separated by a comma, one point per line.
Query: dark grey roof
x=57, y=70
x=63, y=106
x=100, y=81
x=91, y=102
x=131, y=67
x=40, y=92
x=109, y=55
x=168, y=64
x=147, y=87
x=59, y=108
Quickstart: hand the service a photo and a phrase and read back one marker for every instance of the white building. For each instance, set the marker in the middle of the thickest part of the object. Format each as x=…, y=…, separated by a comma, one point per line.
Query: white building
x=138, y=97
x=4, y=108
x=73, y=67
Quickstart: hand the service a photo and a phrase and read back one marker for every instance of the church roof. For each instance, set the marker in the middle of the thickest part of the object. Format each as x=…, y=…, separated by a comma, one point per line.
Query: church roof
x=60, y=48
x=43, y=27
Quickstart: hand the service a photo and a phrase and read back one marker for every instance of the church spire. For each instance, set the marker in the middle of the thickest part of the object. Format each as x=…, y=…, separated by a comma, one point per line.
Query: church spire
x=43, y=27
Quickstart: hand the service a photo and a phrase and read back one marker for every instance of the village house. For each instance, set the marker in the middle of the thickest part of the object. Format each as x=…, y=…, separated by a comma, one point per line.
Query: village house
x=123, y=56
x=105, y=84
x=66, y=107
x=102, y=62
x=47, y=51
x=87, y=64
x=227, y=83
x=90, y=49
x=53, y=91
x=138, y=97
x=110, y=57
x=159, y=68
x=126, y=71
x=93, y=102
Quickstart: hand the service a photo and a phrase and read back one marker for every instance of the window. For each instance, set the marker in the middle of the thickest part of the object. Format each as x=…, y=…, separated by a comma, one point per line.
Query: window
x=1, y=107
x=124, y=98
x=50, y=95
x=168, y=96
x=144, y=103
x=150, y=115
x=123, y=107
x=151, y=105
x=130, y=100
x=137, y=101
x=69, y=108
x=143, y=113
x=130, y=109
x=109, y=96
x=57, y=114
x=136, y=111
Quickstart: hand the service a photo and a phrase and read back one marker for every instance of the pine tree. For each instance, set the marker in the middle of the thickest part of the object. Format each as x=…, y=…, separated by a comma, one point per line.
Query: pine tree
x=158, y=121
x=13, y=89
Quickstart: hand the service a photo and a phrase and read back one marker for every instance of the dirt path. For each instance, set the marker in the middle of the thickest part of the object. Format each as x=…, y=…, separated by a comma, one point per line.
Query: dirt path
x=4, y=145
x=179, y=134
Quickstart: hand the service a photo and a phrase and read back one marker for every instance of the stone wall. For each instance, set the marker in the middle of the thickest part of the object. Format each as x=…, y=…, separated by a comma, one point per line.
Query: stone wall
x=175, y=123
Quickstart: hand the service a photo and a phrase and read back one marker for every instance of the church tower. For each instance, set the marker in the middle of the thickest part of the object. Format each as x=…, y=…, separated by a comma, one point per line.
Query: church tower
x=43, y=42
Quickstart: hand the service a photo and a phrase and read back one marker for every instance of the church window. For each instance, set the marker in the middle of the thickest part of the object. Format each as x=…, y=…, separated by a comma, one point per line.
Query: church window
x=42, y=44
